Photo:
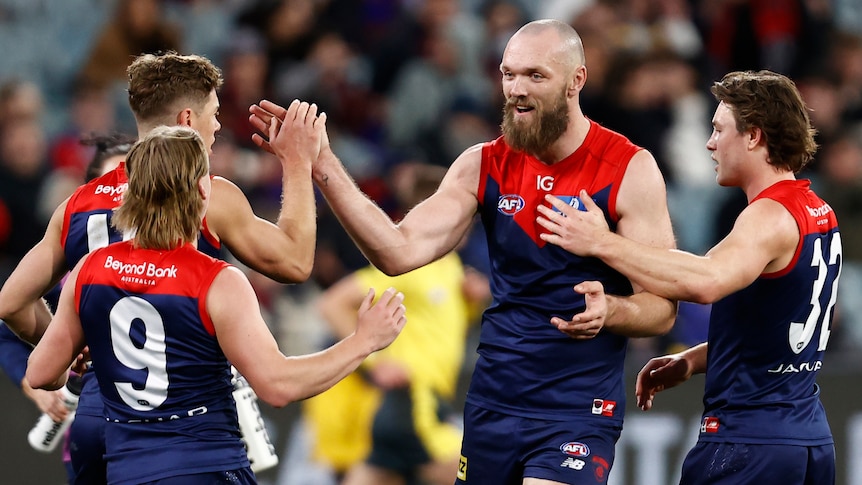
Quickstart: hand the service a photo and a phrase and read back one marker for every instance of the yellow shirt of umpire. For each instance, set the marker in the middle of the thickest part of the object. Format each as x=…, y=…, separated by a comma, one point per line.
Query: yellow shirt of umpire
x=431, y=346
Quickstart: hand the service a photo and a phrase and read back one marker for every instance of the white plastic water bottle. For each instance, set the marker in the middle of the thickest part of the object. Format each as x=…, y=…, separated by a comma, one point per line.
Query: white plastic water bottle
x=261, y=452
x=47, y=433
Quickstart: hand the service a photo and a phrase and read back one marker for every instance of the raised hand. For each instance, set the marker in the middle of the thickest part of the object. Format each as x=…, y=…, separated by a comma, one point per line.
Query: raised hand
x=261, y=119
x=297, y=135
x=381, y=322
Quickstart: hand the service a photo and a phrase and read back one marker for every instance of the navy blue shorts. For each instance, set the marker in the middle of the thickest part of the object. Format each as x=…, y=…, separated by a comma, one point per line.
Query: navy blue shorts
x=742, y=464
x=87, y=450
x=240, y=476
x=503, y=449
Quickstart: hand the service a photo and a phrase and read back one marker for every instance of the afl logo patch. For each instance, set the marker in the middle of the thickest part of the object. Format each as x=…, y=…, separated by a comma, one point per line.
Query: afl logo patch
x=574, y=448
x=573, y=201
x=510, y=204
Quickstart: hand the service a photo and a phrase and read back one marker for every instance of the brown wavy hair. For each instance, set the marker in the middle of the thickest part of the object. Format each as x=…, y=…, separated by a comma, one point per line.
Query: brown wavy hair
x=162, y=204
x=771, y=102
x=162, y=85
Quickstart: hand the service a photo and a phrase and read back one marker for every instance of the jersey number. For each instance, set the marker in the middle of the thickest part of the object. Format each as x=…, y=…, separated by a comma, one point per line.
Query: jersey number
x=801, y=333
x=150, y=356
x=98, y=232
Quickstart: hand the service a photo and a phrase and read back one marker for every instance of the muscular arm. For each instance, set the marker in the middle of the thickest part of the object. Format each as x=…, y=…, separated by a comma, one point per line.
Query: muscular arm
x=427, y=232
x=283, y=251
x=21, y=304
x=643, y=217
x=48, y=366
x=277, y=379
x=731, y=265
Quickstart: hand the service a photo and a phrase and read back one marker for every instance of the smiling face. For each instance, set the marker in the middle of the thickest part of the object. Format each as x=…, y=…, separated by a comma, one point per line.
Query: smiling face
x=536, y=76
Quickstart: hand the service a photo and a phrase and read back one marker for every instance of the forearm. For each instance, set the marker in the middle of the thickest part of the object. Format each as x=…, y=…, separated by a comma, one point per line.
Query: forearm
x=29, y=321
x=47, y=369
x=640, y=315
x=371, y=229
x=669, y=273
x=697, y=357
x=308, y=375
x=298, y=216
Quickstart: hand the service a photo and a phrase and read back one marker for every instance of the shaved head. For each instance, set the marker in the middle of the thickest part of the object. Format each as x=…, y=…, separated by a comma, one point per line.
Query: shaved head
x=570, y=49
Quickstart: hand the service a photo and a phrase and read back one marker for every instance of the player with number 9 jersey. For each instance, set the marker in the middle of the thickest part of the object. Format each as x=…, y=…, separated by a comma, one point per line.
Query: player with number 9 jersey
x=86, y=227
x=126, y=297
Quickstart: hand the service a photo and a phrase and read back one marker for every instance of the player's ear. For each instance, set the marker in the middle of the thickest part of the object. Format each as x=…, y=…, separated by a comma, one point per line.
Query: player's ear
x=205, y=187
x=184, y=118
x=577, y=81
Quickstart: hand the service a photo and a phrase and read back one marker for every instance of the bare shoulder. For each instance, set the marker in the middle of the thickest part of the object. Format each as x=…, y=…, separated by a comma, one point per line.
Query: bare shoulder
x=775, y=246
x=768, y=213
x=228, y=205
x=643, y=174
x=55, y=224
x=229, y=280
x=642, y=203
x=222, y=186
x=464, y=171
x=229, y=291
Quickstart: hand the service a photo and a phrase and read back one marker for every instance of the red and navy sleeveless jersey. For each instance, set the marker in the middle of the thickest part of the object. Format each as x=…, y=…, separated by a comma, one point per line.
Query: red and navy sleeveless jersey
x=87, y=220
x=766, y=341
x=527, y=367
x=163, y=376
x=87, y=226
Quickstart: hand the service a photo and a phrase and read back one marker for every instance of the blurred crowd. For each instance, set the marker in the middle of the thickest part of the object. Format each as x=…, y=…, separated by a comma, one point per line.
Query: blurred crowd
x=405, y=81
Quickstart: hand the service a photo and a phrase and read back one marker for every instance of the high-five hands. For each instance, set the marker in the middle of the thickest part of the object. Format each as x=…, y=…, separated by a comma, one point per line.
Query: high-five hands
x=278, y=128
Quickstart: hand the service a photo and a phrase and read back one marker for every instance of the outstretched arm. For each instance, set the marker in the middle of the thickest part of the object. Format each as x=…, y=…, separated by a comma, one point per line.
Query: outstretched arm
x=48, y=366
x=732, y=264
x=277, y=379
x=21, y=304
x=283, y=251
x=668, y=371
x=427, y=232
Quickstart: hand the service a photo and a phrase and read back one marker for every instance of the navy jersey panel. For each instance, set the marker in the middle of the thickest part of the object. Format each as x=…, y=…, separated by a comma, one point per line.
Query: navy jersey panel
x=14, y=353
x=151, y=333
x=86, y=227
x=144, y=452
x=766, y=342
x=164, y=380
x=527, y=367
x=87, y=220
